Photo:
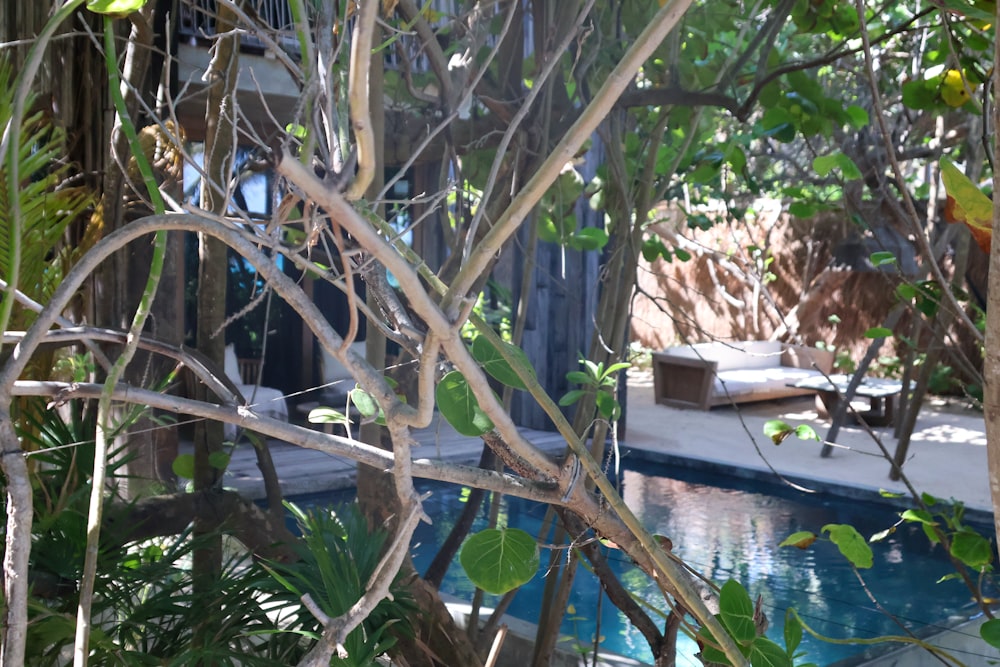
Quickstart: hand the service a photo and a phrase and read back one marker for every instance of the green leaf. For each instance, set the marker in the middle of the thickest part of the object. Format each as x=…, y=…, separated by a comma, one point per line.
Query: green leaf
x=777, y=430
x=824, y=164
x=918, y=95
x=325, y=415
x=183, y=466
x=588, y=238
x=579, y=377
x=219, y=460
x=115, y=7
x=710, y=654
x=571, y=397
x=878, y=332
x=364, y=402
x=967, y=204
x=972, y=549
x=793, y=632
x=459, y=406
x=858, y=116
x=801, y=209
x=736, y=611
x=802, y=539
x=493, y=362
x=766, y=653
x=882, y=258
x=919, y=516
x=990, y=632
x=296, y=130
x=609, y=408
x=499, y=560
x=806, y=432
x=851, y=544
x=614, y=368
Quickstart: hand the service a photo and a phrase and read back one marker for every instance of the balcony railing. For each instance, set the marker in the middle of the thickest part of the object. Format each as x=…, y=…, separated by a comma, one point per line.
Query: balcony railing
x=197, y=23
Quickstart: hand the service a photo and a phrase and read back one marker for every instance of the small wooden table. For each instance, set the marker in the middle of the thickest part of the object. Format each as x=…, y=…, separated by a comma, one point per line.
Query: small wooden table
x=881, y=394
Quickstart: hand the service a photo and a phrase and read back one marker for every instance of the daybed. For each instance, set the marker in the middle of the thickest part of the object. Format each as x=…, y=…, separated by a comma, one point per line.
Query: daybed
x=704, y=375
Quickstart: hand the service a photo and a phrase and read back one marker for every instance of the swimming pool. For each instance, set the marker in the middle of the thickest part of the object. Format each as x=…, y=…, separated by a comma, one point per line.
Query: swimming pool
x=730, y=528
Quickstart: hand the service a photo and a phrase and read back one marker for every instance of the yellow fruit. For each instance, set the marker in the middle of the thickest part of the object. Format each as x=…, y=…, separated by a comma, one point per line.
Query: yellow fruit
x=956, y=89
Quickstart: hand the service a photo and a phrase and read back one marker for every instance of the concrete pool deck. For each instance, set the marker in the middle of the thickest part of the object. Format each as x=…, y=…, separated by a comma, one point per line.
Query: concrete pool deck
x=947, y=453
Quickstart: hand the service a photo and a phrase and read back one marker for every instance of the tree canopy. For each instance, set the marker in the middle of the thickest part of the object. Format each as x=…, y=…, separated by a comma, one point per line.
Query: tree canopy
x=450, y=172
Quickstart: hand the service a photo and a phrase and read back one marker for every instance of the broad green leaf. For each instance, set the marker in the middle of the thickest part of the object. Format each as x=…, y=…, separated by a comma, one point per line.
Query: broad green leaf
x=459, y=406
x=493, y=362
x=589, y=238
x=878, y=332
x=328, y=416
x=115, y=7
x=824, y=164
x=801, y=209
x=972, y=549
x=858, y=116
x=219, y=460
x=499, y=560
x=967, y=204
x=710, y=652
x=766, y=653
x=990, y=632
x=885, y=493
x=736, y=611
x=851, y=544
x=802, y=539
x=364, y=402
x=917, y=94
x=183, y=466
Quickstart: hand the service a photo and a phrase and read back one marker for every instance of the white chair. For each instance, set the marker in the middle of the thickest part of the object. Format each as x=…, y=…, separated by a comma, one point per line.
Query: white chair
x=265, y=401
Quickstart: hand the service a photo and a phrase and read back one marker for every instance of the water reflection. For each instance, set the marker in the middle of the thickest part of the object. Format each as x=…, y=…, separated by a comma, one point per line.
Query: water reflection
x=729, y=528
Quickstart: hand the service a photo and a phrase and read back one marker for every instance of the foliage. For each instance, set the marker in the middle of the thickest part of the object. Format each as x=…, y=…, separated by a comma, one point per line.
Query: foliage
x=47, y=201
x=743, y=621
x=498, y=560
x=741, y=101
x=598, y=382
x=337, y=557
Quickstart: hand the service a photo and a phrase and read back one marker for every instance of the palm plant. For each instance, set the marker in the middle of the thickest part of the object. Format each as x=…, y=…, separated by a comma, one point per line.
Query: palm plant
x=337, y=557
x=47, y=201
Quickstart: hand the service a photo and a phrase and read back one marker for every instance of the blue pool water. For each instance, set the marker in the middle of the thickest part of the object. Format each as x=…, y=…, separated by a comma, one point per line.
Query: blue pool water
x=730, y=528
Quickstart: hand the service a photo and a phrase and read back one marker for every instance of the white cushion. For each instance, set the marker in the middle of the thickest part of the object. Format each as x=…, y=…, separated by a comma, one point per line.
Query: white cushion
x=756, y=354
x=265, y=401
x=232, y=365
x=751, y=380
x=334, y=371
